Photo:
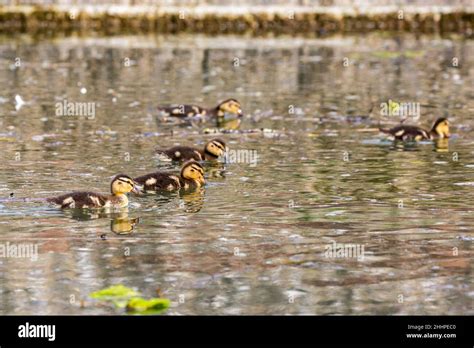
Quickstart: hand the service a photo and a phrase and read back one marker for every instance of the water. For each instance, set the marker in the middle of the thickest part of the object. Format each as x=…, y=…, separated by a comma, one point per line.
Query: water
x=254, y=240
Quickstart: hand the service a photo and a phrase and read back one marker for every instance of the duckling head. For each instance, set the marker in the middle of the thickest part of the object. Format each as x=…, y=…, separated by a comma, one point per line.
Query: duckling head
x=215, y=148
x=192, y=170
x=122, y=184
x=231, y=106
x=441, y=127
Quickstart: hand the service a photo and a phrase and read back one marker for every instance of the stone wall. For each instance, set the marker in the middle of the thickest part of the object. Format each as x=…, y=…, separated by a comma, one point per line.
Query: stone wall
x=316, y=17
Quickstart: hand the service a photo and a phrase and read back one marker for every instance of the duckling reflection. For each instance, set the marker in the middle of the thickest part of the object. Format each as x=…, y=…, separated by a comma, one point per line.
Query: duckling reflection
x=120, y=222
x=192, y=202
x=123, y=224
x=216, y=169
x=404, y=146
x=85, y=214
x=229, y=124
x=441, y=145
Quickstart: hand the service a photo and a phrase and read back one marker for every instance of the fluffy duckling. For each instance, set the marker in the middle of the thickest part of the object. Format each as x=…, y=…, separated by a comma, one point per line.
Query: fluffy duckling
x=212, y=150
x=230, y=106
x=191, y=177
x=440, y=130
x=121, y=185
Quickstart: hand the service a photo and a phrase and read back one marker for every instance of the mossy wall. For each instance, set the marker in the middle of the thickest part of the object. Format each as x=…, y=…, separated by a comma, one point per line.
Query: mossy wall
x=302, y=16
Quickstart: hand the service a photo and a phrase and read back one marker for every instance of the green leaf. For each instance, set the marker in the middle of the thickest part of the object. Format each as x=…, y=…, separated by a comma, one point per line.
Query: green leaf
x=114, y=292
x=151, y=306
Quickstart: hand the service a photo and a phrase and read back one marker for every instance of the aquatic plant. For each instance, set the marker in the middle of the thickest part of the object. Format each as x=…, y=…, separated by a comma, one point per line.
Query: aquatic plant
x=151, y=306
x=123, y=297
x=113, y=292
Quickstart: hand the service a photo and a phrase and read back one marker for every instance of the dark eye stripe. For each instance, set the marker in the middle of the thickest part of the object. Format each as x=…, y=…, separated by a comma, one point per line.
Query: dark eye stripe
x=219, y=145
x=126, y=181
x=196, y=168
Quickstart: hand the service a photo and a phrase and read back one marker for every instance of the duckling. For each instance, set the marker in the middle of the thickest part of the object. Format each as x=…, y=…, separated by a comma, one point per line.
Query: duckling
x=121, y=184
x=212, y=150
x=231, y=106
x=191, y=177
x=402, y=132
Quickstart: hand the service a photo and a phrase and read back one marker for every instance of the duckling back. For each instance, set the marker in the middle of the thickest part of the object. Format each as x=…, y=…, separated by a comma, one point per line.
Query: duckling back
x=158, y=181
x=406, y=132
x=80, y=200
x=181, y=153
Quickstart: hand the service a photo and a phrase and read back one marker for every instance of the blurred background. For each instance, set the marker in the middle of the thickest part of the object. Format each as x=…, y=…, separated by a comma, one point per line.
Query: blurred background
x=255, y=17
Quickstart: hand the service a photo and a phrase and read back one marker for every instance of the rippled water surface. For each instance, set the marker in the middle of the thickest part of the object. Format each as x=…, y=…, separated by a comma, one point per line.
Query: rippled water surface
x=254, y=240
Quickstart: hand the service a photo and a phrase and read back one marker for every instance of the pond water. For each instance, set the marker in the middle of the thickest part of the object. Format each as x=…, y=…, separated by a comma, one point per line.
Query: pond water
x=254, y=241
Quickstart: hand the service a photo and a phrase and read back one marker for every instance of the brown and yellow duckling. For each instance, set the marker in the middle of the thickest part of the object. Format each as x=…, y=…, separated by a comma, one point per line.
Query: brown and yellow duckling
x=229, y=106
x=191, y=177
x=440, y=130
x=212, y=151
x=121, y=185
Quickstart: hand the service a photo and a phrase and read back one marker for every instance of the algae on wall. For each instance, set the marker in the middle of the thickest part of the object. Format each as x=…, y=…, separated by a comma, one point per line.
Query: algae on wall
x=231, y=16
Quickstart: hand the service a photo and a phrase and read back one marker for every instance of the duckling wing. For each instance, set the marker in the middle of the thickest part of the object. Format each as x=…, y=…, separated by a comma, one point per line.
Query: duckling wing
x=158, y=181
x=181, y=110
x=406, y=132
x=182, y=153
x=79, y=200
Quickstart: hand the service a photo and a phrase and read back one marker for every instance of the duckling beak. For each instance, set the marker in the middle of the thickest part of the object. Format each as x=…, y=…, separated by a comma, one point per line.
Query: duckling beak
x=240, y=113
x=137, y=189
